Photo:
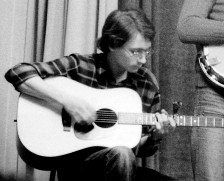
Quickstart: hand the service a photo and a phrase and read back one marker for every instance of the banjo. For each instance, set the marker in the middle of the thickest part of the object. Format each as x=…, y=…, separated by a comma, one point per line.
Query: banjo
x=212, y=64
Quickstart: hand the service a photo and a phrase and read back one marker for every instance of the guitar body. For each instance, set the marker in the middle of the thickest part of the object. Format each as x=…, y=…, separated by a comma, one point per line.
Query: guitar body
x=40, y=128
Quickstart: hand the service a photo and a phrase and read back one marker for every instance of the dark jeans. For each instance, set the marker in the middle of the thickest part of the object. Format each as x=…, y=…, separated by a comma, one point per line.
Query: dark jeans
x=207, y=143
x=107, y=164
x=146, y=174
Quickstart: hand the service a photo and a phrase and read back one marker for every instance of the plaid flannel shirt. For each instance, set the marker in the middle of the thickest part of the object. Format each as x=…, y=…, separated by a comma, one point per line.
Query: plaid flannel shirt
x=92, y=71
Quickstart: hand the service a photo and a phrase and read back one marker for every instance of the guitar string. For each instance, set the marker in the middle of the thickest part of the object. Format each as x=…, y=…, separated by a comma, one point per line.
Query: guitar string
x=109, y=113
x=107, y=116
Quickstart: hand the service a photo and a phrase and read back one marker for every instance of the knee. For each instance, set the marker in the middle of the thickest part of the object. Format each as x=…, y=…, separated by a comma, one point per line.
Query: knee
x=121, y=163
x=124, y=153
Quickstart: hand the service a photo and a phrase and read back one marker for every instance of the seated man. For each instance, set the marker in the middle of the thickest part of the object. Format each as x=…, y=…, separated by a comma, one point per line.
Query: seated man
x=125, y=45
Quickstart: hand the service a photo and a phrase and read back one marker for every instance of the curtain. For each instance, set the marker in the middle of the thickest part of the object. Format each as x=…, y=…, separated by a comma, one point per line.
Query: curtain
x=57, y=28
x=41, y=31
x=173, y=65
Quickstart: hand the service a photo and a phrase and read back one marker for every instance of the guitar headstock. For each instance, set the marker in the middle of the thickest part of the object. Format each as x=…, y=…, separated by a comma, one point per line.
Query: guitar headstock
x=176, y=107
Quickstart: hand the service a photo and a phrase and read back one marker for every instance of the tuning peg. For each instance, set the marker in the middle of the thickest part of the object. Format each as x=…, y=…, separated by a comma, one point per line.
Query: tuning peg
x=176, y=107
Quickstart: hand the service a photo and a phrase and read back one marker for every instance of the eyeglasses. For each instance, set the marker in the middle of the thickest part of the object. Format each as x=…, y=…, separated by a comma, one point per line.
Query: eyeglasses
x=138, y=53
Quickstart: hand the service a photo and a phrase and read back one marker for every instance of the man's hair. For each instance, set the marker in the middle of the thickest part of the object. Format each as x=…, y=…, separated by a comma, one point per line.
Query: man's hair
x=121, y=25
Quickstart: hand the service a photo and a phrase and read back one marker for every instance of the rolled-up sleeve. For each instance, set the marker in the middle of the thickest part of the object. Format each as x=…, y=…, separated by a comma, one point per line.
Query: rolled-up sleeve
x=23, y=71
x=20, y=73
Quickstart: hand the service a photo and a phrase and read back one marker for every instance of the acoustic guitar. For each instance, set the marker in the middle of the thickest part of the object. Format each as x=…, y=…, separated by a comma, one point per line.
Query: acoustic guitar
x=42, y=131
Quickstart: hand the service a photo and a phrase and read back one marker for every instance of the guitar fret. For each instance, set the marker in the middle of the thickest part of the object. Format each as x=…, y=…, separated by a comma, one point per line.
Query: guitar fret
x=195, y=121
x=209, y=122
x=181, y=121
x=153, y=119
x=177, y=119
x=203, y=121
x=139, y=119
x=145, y=118
x=214, y=122
x=187, y=121
x=219, y=122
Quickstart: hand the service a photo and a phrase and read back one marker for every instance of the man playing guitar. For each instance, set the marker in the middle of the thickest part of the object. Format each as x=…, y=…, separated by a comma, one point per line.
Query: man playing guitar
x=125, y=45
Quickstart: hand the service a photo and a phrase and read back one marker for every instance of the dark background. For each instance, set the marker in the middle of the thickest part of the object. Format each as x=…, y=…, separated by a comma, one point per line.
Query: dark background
x=173, y=65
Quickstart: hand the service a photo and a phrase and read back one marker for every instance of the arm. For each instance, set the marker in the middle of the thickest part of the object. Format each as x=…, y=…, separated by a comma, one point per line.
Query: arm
x=199, y=24
x=152, y=135
x=150, y=142
x=80, y=111
x=28, y=79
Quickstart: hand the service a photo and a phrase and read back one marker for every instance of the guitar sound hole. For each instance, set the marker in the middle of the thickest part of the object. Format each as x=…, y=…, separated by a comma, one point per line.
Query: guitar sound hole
x=105, y=118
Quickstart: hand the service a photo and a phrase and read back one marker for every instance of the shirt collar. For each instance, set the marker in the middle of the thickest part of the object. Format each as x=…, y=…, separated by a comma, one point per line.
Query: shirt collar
x=102, y=71
x=102, y=66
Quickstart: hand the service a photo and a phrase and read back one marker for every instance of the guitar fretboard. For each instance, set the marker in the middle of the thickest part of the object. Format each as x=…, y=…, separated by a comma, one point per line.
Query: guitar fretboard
x=136, y=118
x=200, y=121
x=191, y=121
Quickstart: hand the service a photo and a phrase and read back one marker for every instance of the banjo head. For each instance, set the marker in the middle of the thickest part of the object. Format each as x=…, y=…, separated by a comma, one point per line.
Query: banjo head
x=212, y=64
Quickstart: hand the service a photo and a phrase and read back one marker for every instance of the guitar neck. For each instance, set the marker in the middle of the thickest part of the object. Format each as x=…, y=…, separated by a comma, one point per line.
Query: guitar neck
x=136, y=118
x=199, y=121
x=190, y=121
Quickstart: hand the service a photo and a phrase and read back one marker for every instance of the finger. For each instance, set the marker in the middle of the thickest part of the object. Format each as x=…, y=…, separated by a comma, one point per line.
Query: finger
x=149, y=129
x=168, y=120
x=163, y=111
x=158, y=122
x=164, y=121
x=172, y=121
x=165, y=115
